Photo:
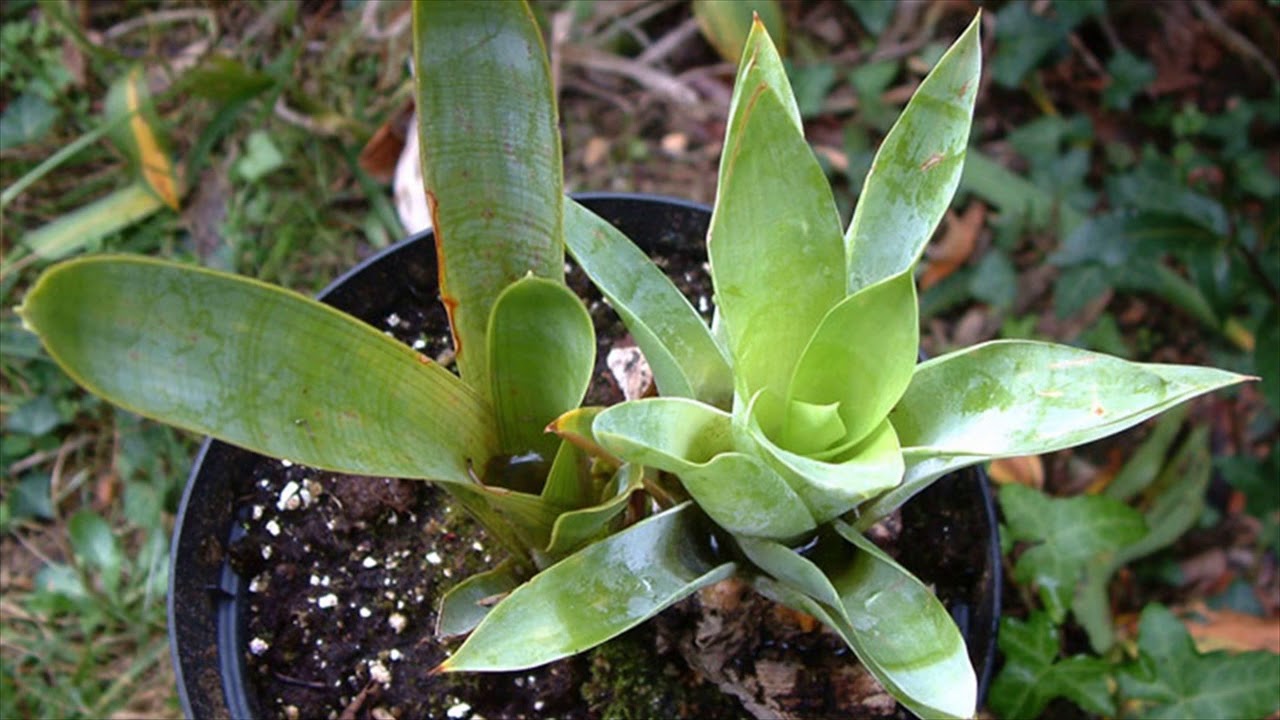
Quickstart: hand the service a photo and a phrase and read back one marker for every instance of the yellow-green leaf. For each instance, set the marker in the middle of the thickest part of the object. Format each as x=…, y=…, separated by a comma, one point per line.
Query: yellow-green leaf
x=257, y=366
x=140, y=139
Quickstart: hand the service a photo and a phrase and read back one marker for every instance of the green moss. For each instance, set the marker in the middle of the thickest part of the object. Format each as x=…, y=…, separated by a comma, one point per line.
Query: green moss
x=631, y=681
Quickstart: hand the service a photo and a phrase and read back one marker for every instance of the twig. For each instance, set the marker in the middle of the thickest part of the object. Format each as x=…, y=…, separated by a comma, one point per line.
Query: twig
x=1234, y=41
x=289, y=679
x=35, y=459
x=651, y=78
x=162, y=17
x=668, y=42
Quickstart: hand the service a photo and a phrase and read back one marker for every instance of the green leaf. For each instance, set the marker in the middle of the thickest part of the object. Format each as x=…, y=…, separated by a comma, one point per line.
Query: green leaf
x=575, y=426
x=861, y=357
x=86, y=225
x=261, y=157
x=1176, y=501
x=685, y=359
x=1129, y=75
x=1171, y=680
x=727, y=24
x=25, y=120
x=522, y=522
x=36, y=416
x=597, y=593
x=569, y=482
x=695, y=442
x=257, y=366
x=831, y=488
x=761, y=64
x=1265, y=353
x=1144, y=465
x=873, y=14
x=774, y=242
x=1033, y=676
x=140, y=138
x=466, y=604
x=542, y=351
x=1018, y=397
x=30, y=498
x=576, y=528
x=95, y=546
x=916, y=170
x=897, y=628
x=1070, y=534
x=902, y=632
x=491, y=159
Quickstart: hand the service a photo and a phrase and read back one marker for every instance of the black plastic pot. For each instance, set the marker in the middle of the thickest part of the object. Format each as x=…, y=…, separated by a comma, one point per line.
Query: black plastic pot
x=206, y=596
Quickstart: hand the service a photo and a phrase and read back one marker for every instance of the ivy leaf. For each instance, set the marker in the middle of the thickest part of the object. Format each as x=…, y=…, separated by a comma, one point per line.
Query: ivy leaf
x=1071, y=532
x=1171, y=680
x=1032, y=676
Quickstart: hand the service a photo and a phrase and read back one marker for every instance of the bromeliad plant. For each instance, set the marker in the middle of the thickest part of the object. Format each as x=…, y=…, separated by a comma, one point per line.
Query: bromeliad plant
x=795, y=422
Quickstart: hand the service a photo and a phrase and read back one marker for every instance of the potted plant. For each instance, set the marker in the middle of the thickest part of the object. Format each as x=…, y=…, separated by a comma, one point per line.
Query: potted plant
x=783, y=432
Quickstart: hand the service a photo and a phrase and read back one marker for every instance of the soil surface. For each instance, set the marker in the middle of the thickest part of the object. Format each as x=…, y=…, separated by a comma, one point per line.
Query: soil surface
x=345, y=575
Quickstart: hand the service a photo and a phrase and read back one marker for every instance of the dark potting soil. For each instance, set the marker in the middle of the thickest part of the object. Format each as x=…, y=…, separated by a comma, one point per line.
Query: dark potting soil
x=345, y=576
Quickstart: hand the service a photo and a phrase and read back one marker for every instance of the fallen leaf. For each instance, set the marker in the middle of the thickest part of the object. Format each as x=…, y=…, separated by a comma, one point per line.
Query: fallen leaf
x=955, y=246
x=379, y=156
x=1229, y=629
x=1027, y=470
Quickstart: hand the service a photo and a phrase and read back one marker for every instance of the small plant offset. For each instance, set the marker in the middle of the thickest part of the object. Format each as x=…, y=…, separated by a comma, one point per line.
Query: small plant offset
x=793, y=424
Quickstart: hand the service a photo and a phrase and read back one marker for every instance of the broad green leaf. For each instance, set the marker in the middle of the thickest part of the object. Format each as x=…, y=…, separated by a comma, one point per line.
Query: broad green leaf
x=466, y=604
x=774, y=244
x=1069, y=535
x=1171, y=680
x=1175, y=505
x=1017, y=397
x=86, y=225
x=597, y=593
x=903, y=633
x=1033, y=676
x=916, y=170
x=727, y=24
x=685, y=359
x=257, y=366
x=139, y=138
x=831, y=488
x=491, y=159
x=26, y=119
x=542, y=351
x=861, y=357
x=576, y=528
x=694, y=442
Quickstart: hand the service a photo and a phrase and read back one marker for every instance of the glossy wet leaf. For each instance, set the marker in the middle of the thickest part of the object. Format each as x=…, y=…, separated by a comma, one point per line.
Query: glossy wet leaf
x=685, y=359
x=491, y=159
x=917, y=168
x=1033, y=676
x=1067, y=535
x=466, y=604
x=1172, y=680
x=774, y=243
x=1010, y=398
x=542, y=350
x=862, y=356
x=694, y=442
x=905, y=632
x=594, y=595
x=790, y=568
x=902, y=634
x=257, y=366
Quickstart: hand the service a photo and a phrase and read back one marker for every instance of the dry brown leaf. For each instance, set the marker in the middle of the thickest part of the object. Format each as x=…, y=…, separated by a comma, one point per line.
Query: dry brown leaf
x=1230, y=630
x=1027, y=470
x=956, y=245
x=379, y=156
